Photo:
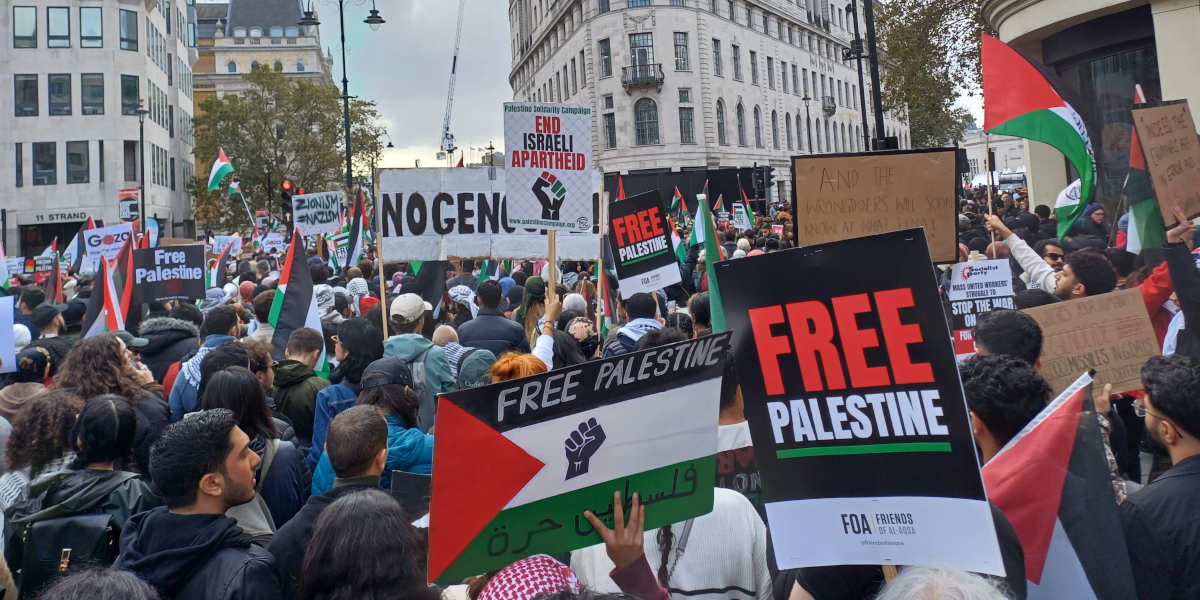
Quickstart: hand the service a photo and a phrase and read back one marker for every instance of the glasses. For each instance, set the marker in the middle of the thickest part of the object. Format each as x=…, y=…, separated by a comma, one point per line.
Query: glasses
x=1054, y=256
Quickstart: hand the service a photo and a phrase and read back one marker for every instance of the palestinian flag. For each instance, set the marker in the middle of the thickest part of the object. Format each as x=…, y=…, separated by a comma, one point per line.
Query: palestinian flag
x=713, y=253
x=235, y=187
x=719, y=205
x=1147, y=228
x=749, y=211
x=356, y=248
x=51, y=250
x=5, y=276
x=77, y=248
x=1052, y=482
x=489, y=269
x=1019, y=101
x=681, y=251
x=216, y=277
x=678, y=204
x=108, y=306
x=53, y=285
x=518, y=493
x=295, y=305
x=221, y=167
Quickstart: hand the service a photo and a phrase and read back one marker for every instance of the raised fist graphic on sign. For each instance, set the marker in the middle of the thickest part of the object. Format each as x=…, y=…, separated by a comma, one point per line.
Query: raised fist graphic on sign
x=581, y=445
x=553, y=201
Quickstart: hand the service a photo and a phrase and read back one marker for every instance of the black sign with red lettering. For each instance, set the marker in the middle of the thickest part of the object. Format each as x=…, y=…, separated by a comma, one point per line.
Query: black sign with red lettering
x=640, y=238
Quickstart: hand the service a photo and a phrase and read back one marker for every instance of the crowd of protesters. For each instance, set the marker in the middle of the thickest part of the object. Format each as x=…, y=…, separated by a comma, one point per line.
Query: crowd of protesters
x=180, y=460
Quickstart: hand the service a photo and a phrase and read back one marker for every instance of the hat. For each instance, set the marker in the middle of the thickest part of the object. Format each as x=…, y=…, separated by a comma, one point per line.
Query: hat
x=367, y=304
x=213, y=298
x=324, y=295
x=463, y=295
x=532, y=577
x=386, y=371
x=131, y=341
x=21, y=336
x=32, y=362
x=44, y=314
x=474, y=368
x=409, y=307
x=246, y=289
x=357, y=287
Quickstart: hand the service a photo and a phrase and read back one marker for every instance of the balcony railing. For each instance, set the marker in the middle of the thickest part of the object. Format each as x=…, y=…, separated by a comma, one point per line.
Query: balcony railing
x=643, y=75
x=829, y=105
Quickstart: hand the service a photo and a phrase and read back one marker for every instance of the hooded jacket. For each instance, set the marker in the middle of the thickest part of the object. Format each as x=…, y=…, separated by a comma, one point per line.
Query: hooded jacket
x=170, y=340
x=295, y=393
x=330, y=401
x=184, y=393
x=408, y=450
x=491, y=331
x=196, y=557
x=410, y=347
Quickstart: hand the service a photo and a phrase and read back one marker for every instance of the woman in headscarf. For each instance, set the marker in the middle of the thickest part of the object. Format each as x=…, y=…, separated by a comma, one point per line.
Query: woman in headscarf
x=533, y=306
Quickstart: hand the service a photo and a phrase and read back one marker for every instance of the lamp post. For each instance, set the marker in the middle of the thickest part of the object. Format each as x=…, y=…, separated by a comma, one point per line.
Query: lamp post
x=856, y=52
x=141, y=115
x=808, y=121
x=374, y=20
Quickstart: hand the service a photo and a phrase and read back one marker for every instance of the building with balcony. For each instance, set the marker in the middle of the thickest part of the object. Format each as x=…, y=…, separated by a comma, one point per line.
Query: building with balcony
x=695, y=84
x=78, y=71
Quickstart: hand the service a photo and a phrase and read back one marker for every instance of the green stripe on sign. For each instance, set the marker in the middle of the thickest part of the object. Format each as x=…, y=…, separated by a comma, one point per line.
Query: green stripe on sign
x=865, y=449
x=553, y=525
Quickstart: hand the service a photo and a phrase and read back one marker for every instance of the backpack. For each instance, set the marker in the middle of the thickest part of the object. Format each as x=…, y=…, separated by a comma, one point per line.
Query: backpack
x=254, y=517
x=428, y=406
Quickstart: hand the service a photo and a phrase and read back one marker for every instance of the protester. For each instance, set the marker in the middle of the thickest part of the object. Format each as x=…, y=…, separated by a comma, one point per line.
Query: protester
x=928, y=583
x=220, y=326
x=1008, y=332
x=297, y=384
x=33, y=370
x=431, y=372
x=30, y=298
x=641, y=312
x=47, y=317
x=357, y=344
x=701, y=314
x=262, y=313
x=490, y=329
x=533, y=300
x=100, y=584
x=170, y=339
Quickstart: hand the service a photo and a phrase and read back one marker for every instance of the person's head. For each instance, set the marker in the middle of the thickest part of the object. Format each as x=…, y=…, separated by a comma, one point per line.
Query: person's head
x=41, y=430
x=520, y=277
x=927, y=583
x=99, y=365
x=1122, y=261
x=444, y=334
x=262, y=305
x=358, y=343
x=538, y=576
x=238, y=389
x=353, y=273
x=701, y=315
x=222, y=320
x=407, y=313
x=1042, y=211
x=363, y=546
x=263, y=267
x=1170, y=410
x=229, y=354
x=31, y=297
x=1084, y=273
x=388, y=385
x=513, y=365
x=1004, y=393
x=104, y=430
x=35, y=363
x=1008, y=332
x=341, y=304
x=1097, y=216
x=1023, y=203
x=204, y=462
x=583, y=330
x=304, y=345
x=261, y=363
x=48, y=318
x=488, y=294
x=731, y=391
x=660, y=337
x=356, y=442
x=640, y=306
x=575, y=302
x=1050, y=252
x=186, y=311
x=100, y=584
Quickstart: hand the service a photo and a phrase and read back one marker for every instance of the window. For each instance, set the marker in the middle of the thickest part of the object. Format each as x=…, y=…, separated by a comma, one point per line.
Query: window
x=758, y=141
x=275, y=32
x=820, y=146
x=25, y=95
x=753, y=67
x=685, y=95
x=253, y=65
x=717, y=56
x=645, y=120
x=641, y=50
x=676, y=2
x=231, y=67
x=45, y=163
x=172, y=173
x=278, y=66
x=787, y=127
x=795, y=80
x=24, y=27
x=171, y=120
x=129, y=30
x=775, y=129
x=100, y=159
x=638, y=3
x=687, y=130
x=582, y=69
x=681, y=51
x=607, y=101
x=605, y=48
x=741, y=124
x=604, y=6
x=165, y=9
x=770, y=72
x=732, y=17
x=300, y=66
x=780, y=23
x=721, y=138
x=735, y=52
x=91, y=27
x=256, y=32
x=19, y=164
x=131, y=160
x=91, y=93
x=291, y=31
x=574, y=78
x=784, y=78
x=77, y=162
x=58, y=27
x=58, y=88
x=610, y=131
x=239, y=32
x=129, y=95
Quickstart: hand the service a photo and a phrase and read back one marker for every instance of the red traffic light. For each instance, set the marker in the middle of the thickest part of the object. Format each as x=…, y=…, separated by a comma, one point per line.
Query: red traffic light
x=299, y=191
x=286, y=185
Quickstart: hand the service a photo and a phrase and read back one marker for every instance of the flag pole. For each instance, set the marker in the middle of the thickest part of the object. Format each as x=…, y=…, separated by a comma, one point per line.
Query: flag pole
x=987, y=164
x=383, y=303
x=600, y=278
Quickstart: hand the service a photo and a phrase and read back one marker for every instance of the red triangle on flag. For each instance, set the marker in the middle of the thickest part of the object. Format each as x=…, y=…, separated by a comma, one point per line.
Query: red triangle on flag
x=476, y=471
x=1001, y=66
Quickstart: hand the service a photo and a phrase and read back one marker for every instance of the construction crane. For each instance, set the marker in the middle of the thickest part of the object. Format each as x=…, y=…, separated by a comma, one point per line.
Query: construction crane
x=448, y=146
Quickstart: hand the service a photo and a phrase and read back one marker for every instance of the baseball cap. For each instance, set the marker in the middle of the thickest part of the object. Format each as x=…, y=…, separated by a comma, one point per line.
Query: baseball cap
x=386, y=371
x=45, y=312
x=409, y=307
x=131, y=341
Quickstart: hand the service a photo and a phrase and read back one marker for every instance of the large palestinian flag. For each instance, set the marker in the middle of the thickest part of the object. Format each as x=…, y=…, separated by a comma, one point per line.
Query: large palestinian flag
x=295, y=305
x=713, y=253
x=541, y=450
x=1019, y=101
x=108, y=306
x=359, y=231
x=1052, y=482
x=1147, y=228
x=221, y=167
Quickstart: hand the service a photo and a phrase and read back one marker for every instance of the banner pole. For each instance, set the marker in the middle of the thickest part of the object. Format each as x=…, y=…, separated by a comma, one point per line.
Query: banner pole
x=552, y=243
x=383, y=303
x=987, y=164
x=601, y=280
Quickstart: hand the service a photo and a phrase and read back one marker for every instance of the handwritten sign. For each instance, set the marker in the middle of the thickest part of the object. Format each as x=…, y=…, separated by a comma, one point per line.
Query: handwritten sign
x=546, y=448
x=1110, y=333
x=317, y=213
x=849, y=196
x=1168, y=138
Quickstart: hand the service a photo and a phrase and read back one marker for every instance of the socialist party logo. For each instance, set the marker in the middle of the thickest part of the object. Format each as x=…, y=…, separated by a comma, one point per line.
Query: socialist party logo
x=552, y=202
x=581, y=445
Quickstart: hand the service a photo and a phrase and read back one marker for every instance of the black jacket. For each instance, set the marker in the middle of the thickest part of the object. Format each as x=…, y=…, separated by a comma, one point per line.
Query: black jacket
x=1162, y=531
x=170, y=340
x=196, y=557
x=491, y=331
x=153, y=415
x=291, y=540
x=1186, y=279
x=288, y=485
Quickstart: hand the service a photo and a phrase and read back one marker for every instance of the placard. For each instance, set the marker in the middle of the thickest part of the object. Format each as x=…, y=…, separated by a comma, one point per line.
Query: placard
x=168, y=273
x=443, y=214
x=317, y=213
x=549, y=169
x=8, y=353
x=15, y=264
x=273, y=242
x=1110, y=333
x=640, y=239
x=1172, y=151
x=221, y=241
x=127, y=204
x=777, y=230
x=855, y=407
x=844, y=196
x=976, y=288
x=43, y=266
x=547, y=447
x=106, y=242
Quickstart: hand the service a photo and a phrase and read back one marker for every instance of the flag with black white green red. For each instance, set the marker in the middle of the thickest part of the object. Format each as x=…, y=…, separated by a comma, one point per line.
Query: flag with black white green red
x=220, y=269
x=221, y=168
x=109, y=304
x=713, y=253
x=5, y=276
x=1147, y=228
x=356, y=243
x=678, y=204
x=643, y=422
x=295, y=305
x=489, y=269
x=1019, y=101
x=76, y=249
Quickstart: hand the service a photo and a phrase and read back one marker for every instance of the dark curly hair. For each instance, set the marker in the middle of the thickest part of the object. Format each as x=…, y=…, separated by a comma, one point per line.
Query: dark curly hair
x=1010, y=332
x=104, y=431
x=1172, y=385
x=41, y=430
x=98, y=366
x=1004, y=392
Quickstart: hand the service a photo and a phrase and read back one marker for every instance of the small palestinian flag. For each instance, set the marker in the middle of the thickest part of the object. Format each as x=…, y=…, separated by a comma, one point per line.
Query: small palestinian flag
x=108, y=305
x=235, y=187
x=681, y=251
x=1147, y=228
x=295, y=305
x=713, y=253
x=51, y=250
x=489, y=269
x=5, y=276
x=216, y=277
x=221, y=167
x=1052, y=482
x=749, y=210
x=76, y=250
x=719, y=205
x=358, y=232
x=678, y=204
x=53, y=285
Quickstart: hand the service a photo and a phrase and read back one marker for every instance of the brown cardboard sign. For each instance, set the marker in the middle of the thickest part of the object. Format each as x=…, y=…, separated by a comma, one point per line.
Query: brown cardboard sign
x=845, y=196
x=1172, y=151
x=1110, y=333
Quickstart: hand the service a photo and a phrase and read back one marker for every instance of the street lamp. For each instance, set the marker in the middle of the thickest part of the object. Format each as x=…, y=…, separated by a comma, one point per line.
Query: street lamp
x=141, y=115
x=374, y=20
x=808, y=121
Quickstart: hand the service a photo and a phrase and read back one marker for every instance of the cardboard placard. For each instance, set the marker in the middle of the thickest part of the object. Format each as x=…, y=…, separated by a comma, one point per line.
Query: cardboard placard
x=1168, y=138
x=317, y=213
x=1110, y=333
x=43, y=265
x=855, y=407
x=975, y=288
x=844, y=196
x=168, y=273
x=549, y=169
x=640, y=240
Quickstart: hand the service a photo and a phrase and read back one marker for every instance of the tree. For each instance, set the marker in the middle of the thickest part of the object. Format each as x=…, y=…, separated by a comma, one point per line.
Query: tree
x=279, y=128
x=930, y=50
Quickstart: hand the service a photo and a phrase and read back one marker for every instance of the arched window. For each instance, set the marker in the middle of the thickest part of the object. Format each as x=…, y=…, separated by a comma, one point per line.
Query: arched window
x=645, y=118
x=758, y=142
x=231, y=67
x=239, y=32
x=858, y=138
x=787, y=126
x=741, y=124
x=291, y=31
x=254, y=65
x=775, y=129
x=845, y=139
x=299, y=66
x=721, y=139
x=278, y=67
x=256, y=32
x=828, y=140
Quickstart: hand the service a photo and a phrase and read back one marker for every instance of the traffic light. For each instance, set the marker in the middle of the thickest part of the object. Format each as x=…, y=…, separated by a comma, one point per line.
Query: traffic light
x=758, y=183
x=299, y=191
x=286, y=187
x=768, y=180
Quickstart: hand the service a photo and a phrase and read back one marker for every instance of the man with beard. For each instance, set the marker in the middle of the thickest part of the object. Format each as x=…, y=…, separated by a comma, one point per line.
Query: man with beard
x=1162, y=520
x=188, y=549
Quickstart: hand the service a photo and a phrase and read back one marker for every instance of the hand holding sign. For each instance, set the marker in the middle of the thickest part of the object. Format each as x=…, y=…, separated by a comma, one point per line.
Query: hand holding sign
x=624, y=541
x=1183, y=231
x=581, y=445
